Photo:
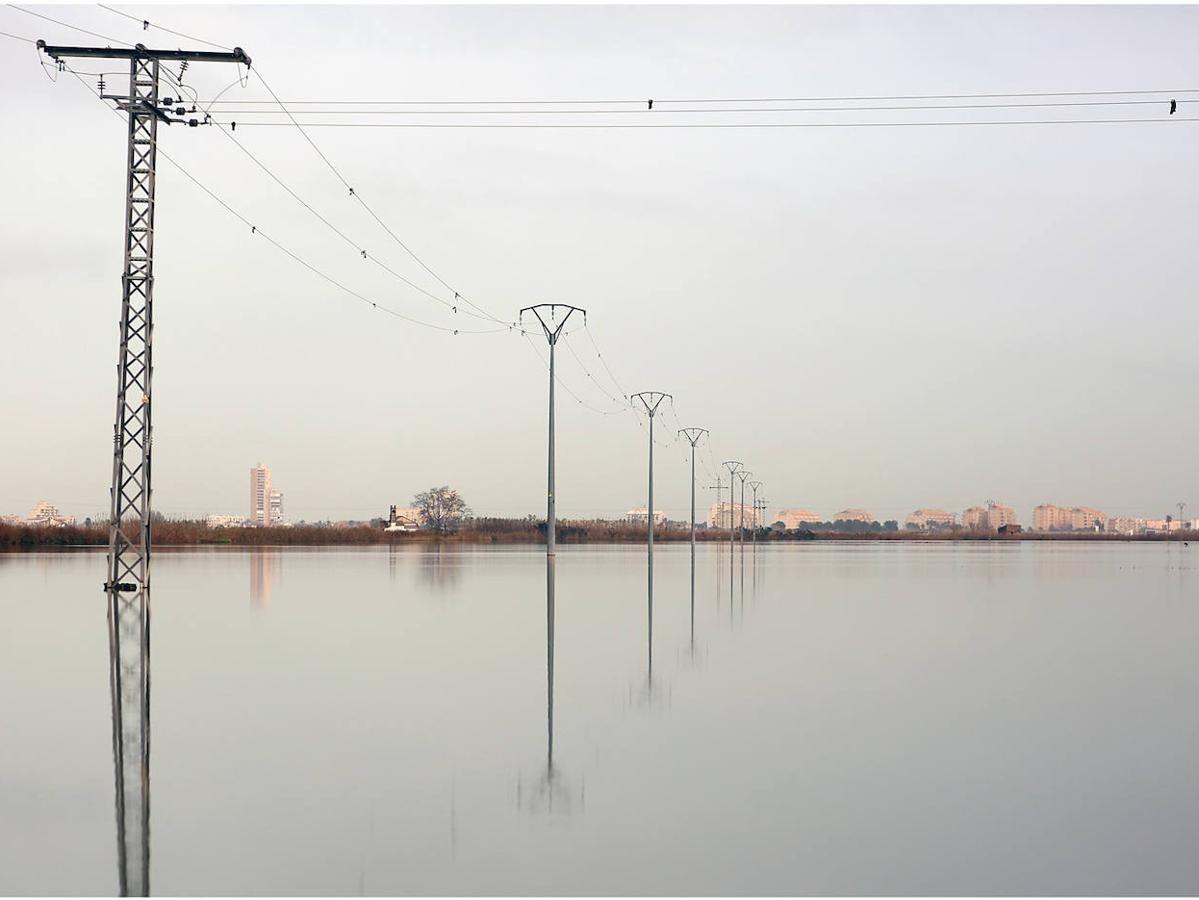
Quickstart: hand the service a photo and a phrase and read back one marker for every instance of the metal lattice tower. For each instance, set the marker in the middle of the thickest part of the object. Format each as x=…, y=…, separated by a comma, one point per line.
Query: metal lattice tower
x=129, y=549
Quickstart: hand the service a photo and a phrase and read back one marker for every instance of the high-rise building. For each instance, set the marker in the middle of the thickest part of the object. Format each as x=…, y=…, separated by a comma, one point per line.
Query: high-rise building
x=260, y=496
x=991, y=517
x=276, y=507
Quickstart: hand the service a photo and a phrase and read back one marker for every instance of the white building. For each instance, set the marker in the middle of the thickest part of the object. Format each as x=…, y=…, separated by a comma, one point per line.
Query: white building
x=224, y=521
x=730, y=515
x=403, y=518
x=638, y=514
x=930, y=520
x=795, y=518
x=47, y=514
x=276, y=507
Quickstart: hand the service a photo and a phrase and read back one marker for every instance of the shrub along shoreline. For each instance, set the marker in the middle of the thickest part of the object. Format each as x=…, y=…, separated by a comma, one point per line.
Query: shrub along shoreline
x=186, y=533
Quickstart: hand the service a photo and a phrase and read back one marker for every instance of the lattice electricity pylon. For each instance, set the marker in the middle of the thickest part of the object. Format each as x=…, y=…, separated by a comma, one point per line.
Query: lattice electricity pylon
x=129, y=680
x=129, y=554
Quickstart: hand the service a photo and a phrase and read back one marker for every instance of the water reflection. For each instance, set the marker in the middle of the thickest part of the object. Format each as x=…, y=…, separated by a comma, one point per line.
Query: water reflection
x=692, y=651
x=440, y=570
x=650, y=693
x=129, y=679
x=551, y=792
x=265, y=565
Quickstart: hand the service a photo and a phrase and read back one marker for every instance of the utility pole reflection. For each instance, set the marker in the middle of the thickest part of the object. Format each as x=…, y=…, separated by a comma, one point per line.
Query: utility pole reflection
x=129, y=680
x=551, y=793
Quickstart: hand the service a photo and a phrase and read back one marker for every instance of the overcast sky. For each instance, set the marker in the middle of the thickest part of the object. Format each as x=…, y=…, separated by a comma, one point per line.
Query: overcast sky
x=886, y=318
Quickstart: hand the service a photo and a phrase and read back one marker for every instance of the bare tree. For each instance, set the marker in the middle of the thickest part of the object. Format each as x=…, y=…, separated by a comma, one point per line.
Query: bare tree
x=441, y=508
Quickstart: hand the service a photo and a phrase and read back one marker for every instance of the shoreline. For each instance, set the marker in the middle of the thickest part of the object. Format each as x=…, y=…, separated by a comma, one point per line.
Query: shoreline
x=517, y=532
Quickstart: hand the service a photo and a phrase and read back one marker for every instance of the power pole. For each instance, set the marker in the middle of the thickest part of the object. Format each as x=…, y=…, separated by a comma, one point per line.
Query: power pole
x=129, y=557
x=651, y=400
x=1182, y=522
x=552, y=329
x=754, y=485
x=693, y=436
x=718, y=487
x=743, y=474
x=733, y=466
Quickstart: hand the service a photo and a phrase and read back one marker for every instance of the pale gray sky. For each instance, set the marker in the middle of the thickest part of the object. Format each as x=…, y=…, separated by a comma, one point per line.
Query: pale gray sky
x=887, y=318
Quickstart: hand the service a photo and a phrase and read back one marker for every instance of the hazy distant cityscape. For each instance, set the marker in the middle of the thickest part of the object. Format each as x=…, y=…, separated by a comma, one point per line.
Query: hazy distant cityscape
x=265, y=509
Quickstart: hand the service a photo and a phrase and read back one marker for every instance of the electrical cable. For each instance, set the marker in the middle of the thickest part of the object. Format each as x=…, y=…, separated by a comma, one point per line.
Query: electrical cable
x=457, y=295
x=704, y=111
x=146, y=23
x=837, y=99
x=66, y=25
x=594, y=125
x=295, y=257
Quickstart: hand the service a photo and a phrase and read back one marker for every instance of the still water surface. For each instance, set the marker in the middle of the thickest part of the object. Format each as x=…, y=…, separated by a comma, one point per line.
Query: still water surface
x=829, y=719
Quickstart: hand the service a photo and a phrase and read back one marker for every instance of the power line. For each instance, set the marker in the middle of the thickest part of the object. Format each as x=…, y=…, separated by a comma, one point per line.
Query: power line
x=258, y=232
x=751, y=110
x=837, y=99
x=358, y=248
x=370, y=211
x=94, y=34
x=146, y=23
x=568, y=125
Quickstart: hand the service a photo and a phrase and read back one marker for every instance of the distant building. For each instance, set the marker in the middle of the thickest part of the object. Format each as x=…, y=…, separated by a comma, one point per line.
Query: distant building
x=276, y=507
x=403, y=518
x=47, y=514
x=853, y=515
x=991, y=517
x=795, y=518
x=260, y=496
x=1048, y=517
x=1130, y=525
x=11, y=519
x=224, y=521
x=930, y=520
x=730, y=515
x=639, y=514
x=1010, y=528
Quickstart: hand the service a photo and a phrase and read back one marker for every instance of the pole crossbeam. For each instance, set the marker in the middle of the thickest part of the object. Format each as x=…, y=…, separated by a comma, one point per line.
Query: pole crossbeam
x=552, y=330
